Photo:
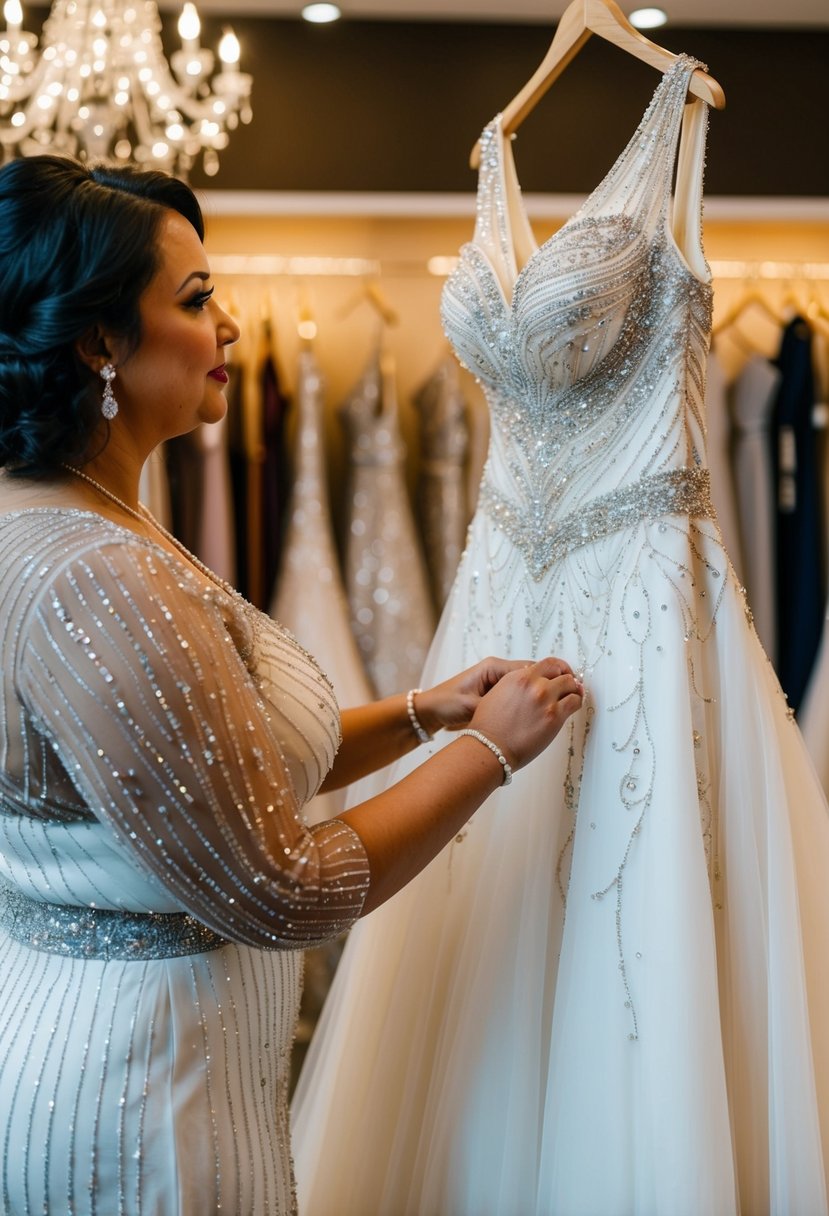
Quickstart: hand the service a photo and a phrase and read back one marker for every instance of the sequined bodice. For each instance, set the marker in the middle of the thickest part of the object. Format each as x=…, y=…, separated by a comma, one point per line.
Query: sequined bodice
x=181, y=725
x=592, y=354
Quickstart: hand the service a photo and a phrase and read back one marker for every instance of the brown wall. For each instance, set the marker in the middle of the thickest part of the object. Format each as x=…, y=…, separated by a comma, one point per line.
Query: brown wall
x=394, y=106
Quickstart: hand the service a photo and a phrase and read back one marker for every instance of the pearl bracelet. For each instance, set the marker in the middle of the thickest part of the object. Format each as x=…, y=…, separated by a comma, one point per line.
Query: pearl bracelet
x=423, y=736
x=494, y=748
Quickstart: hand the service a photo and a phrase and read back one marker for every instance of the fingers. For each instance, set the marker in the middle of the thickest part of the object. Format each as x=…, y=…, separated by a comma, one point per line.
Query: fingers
x=493, y=669
x=566, y=685
x=550, y=667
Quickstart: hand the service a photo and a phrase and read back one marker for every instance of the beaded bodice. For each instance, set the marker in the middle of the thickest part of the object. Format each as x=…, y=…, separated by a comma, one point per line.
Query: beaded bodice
x=591, y=347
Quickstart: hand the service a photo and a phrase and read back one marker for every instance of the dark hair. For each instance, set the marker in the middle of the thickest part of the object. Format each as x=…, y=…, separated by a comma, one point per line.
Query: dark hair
x=78, y=246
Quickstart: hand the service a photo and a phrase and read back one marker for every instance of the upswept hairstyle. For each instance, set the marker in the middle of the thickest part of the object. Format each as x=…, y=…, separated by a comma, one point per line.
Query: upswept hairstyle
x=78, y=246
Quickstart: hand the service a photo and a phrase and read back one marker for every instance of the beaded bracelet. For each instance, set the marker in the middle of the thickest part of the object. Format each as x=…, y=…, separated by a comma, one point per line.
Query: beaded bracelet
x=494, y=748
x=423, y=736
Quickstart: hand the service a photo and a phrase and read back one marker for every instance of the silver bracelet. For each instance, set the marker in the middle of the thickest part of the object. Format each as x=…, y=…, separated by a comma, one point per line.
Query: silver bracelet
x=494, y=748
x=423, y=736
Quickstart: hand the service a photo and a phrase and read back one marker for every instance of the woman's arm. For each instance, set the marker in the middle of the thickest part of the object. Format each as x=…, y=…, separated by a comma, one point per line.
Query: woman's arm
x=127, y=668
x=406, y=826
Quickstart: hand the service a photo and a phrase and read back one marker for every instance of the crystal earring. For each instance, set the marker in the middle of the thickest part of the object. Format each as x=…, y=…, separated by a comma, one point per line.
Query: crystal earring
x=109, y=406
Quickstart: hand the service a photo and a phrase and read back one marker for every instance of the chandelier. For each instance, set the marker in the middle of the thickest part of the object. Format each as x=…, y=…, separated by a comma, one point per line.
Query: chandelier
x=101, y=87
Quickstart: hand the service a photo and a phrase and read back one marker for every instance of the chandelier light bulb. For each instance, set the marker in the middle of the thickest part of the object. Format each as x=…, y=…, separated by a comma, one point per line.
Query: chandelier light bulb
x=13, y=15
x=189, y=25
x=103, y=86
x=229, y=49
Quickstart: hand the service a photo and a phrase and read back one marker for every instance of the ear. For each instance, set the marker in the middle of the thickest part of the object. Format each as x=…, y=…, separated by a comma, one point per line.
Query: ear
x=93, y=349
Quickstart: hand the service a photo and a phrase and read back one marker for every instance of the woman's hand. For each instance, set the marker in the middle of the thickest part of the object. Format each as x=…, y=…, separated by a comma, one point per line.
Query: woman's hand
x=452, y=704
x=520, y=707
x=524, y=711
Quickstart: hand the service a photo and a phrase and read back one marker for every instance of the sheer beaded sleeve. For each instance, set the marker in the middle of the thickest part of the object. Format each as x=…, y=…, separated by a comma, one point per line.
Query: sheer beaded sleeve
x=140, y=681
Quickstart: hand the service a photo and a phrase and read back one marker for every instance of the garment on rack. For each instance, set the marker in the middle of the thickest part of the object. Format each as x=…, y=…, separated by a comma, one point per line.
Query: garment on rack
x=310, y=598
x=202, y=515
x=154, y=487
x=241, y=394
x=663, y=1047
x=752, y=402
x=441, y=487
x=800, y=545
x=718, y=447
x=151, y=922
x=385, y=573
x=814, y=710
x=275, y=481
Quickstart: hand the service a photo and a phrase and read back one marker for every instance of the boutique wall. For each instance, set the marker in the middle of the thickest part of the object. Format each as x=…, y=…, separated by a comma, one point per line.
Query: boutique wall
x=396, y=106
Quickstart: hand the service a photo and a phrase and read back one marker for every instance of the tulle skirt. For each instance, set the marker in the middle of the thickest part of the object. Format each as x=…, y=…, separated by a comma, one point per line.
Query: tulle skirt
x=609, y=996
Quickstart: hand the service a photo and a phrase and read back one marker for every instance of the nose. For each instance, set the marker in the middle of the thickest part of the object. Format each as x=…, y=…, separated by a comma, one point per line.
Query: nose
x=227, y=329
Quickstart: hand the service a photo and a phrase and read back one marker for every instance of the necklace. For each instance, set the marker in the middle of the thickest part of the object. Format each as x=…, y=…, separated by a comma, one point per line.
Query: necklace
x=146, y=517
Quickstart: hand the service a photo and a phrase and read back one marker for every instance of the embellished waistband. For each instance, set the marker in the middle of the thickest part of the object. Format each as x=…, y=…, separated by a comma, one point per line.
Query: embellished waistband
x=681, y=491
x=102, y=933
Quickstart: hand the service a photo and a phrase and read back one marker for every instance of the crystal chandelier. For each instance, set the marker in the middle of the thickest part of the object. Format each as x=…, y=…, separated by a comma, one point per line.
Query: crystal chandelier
x=101, y=86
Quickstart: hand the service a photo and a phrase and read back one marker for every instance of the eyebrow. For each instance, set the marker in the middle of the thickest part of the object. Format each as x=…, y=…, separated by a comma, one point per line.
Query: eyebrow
x=203, y=275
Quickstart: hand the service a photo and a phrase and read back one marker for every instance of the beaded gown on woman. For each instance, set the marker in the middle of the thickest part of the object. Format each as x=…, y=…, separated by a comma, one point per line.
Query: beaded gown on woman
x=610, y=994
x=159, y=736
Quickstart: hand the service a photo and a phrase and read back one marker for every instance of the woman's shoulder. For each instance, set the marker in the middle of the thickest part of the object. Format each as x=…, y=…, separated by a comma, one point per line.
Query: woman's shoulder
x=41, y=547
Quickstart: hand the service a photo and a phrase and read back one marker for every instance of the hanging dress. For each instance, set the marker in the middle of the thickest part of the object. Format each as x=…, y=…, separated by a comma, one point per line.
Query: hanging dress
x=753, y=396
x=610, y=997
x=385, y=572
x=310, y=598
x=441, y=484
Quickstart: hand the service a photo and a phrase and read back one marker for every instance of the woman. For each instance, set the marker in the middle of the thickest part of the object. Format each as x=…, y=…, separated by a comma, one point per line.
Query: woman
x=160, y=736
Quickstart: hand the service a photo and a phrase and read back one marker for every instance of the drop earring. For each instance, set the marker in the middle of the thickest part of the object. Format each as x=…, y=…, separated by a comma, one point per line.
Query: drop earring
x=109, y=406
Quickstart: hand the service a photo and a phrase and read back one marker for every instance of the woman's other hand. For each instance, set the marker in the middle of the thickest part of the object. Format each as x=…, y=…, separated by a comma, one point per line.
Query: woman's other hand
x=452, y=704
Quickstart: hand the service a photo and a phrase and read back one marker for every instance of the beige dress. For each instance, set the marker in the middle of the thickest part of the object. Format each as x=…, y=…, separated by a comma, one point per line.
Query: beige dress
x=159, y=738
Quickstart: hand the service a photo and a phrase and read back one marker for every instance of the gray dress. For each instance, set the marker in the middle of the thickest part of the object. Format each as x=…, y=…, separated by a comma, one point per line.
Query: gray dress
x=385, y=573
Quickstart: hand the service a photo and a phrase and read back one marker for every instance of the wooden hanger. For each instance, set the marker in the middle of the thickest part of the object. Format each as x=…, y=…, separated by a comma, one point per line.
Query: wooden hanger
x=750, y=299
x=579, y=20
x=371, y=293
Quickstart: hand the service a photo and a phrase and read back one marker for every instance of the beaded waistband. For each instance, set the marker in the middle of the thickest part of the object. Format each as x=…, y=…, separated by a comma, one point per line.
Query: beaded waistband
x=675, y=492
x=102, y=933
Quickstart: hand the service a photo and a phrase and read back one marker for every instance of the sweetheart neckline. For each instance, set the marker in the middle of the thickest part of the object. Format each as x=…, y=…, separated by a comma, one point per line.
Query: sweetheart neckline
x=504, y=149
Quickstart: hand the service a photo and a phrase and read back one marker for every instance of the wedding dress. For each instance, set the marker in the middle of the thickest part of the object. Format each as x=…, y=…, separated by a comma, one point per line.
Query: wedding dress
x=609, y=996
x=157, y=881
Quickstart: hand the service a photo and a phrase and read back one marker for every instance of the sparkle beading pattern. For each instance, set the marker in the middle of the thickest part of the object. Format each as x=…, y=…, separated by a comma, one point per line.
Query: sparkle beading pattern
x=385, y=573
x=675, y=492
x=159, y=738
x=102, y=933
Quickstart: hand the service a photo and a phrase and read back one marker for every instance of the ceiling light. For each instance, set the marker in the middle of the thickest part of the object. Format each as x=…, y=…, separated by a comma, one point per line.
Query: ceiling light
x=321, y=13
x=102, y=86
x=648, y=18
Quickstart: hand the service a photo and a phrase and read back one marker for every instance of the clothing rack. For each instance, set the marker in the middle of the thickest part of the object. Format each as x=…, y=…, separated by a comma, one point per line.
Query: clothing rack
x=773, y=271
x=234, y=265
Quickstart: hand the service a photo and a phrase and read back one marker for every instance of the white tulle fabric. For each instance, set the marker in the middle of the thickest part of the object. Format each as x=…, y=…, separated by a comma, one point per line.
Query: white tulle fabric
x=609, y=996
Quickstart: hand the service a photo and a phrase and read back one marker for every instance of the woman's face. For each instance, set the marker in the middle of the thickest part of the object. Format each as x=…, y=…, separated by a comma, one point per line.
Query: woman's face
x=175, y=378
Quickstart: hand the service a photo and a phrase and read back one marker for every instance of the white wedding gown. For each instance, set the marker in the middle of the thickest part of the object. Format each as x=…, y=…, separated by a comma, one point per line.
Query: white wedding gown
x=610, y=997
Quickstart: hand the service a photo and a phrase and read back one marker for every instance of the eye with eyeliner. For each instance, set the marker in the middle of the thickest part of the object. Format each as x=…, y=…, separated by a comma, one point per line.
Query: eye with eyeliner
x=199, y=299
